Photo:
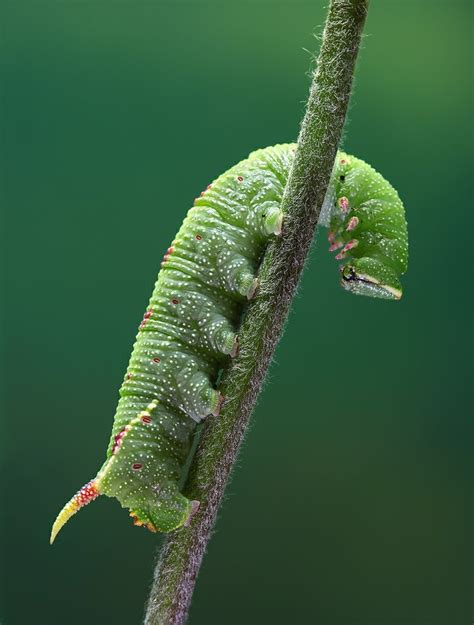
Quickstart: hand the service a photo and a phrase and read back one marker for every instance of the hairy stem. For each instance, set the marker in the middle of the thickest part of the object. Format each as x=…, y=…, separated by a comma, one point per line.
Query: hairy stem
x=182, y=552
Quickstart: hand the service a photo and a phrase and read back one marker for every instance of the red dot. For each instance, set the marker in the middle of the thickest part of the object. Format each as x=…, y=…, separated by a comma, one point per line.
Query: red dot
x=175, y=301
x=146, y=419
x=198, y=237
x=239, y=178
x=136, y=466
x=157, y=360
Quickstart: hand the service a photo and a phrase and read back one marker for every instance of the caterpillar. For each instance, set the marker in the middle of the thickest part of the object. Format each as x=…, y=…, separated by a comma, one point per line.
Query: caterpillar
x=189, y=329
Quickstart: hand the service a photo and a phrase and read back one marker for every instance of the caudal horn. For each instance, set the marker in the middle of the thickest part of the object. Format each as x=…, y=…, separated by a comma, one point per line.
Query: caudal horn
x=88, y=493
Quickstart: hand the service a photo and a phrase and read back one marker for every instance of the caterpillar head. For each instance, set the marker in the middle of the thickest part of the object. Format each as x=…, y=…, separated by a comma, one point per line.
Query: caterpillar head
x=367, y=229
x=367, y=276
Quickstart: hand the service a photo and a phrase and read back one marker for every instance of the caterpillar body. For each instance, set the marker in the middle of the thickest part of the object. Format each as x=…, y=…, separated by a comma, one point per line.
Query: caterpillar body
x=190, y=326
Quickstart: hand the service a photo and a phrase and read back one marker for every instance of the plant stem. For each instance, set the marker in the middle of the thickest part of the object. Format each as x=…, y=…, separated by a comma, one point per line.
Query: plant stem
x=183, y=550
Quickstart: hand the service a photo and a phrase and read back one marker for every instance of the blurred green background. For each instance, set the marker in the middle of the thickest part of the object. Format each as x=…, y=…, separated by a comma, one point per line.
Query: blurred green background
x=350, y=504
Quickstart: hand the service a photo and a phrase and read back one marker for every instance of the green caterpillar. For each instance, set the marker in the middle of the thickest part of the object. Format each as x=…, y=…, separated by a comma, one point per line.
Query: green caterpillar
x=190, y=327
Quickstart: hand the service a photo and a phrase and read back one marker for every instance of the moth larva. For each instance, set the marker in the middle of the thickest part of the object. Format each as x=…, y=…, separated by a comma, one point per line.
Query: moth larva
x=190, y=326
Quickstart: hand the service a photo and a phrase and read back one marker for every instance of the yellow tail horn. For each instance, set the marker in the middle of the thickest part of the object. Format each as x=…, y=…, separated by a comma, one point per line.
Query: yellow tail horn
x=88, y=493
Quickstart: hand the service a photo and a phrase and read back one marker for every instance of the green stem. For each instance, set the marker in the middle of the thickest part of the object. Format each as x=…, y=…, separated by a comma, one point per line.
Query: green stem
x=182, y=552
